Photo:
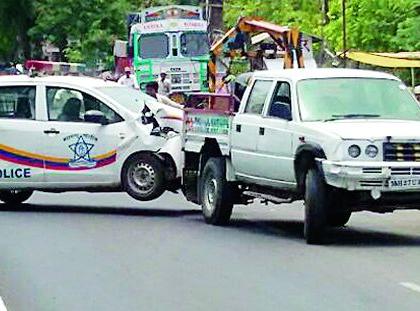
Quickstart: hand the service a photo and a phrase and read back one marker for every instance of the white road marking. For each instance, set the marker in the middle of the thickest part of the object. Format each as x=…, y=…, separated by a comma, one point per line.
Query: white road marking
x=413, y=286
x=2, y=305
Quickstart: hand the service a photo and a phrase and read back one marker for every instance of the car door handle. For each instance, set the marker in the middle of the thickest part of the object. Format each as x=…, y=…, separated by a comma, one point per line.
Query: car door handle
x=238, y=128
x=51, y=131
x=262, y=130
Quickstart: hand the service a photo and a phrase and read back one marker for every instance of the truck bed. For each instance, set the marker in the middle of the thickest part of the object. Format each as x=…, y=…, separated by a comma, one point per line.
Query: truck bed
x=200, y=125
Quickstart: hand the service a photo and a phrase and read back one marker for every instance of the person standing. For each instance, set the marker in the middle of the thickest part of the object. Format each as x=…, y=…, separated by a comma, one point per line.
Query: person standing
x=128, y=79
x=164, y=84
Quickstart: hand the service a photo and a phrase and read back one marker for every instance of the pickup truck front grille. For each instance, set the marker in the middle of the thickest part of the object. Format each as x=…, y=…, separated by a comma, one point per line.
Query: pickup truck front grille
x=405, y=171
x=371, y=183
x=372, y=170
x=402, y=152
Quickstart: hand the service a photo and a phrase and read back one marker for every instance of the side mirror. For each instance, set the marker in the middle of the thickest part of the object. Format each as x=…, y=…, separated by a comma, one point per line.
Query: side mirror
x=95, y=116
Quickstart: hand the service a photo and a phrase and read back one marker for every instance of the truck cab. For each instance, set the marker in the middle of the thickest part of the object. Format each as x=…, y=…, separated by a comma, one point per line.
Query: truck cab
x=341, y=140
x=171, y=39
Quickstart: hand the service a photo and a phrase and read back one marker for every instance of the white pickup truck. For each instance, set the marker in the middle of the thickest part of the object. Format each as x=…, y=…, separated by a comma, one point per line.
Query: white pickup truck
x=342, y=140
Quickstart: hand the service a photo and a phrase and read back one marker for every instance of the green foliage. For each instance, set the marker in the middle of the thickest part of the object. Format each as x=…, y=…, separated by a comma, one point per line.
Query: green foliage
x=302, y=13
x=85, y=30
x=16, y=17
x=380, y=25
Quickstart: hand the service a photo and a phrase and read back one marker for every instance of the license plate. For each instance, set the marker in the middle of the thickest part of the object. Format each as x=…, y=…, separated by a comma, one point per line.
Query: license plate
x=406, y=183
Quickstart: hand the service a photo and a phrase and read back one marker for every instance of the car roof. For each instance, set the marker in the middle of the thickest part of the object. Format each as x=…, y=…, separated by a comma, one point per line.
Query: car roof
x=81, y=81
x=322, y=73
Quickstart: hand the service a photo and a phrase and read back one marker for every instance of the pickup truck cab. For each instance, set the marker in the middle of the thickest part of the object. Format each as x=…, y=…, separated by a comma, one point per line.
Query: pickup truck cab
x=342, y=140
x=78, y=133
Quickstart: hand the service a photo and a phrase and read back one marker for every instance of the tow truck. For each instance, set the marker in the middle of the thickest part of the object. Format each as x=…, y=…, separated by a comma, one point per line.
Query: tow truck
x=341, y=140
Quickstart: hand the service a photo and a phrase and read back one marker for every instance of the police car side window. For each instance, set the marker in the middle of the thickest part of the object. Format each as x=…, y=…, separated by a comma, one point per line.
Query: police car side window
x=70, y=105
x=92, y=103
x=17, y=102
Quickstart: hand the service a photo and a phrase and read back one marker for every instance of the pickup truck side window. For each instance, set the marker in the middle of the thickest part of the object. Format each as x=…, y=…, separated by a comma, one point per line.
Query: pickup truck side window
x=256, y=99
x=281, y=104
x=70, y=105
x=17, y=102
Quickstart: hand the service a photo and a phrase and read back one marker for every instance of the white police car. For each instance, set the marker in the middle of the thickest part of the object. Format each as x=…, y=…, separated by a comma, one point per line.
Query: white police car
x=78, y=133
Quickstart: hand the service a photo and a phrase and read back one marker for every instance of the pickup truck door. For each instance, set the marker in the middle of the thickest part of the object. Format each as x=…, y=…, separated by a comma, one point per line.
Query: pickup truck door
x=274, y=148
x=80, y=152
x=245, y=130
x=21, y=153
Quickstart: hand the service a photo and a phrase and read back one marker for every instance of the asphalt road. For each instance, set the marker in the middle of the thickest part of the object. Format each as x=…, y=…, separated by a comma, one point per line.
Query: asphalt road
x=107, y=252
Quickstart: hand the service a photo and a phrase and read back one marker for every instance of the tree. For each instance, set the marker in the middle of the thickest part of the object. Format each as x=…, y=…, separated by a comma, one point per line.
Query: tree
x=374, y=25
x=16, y=18
x=380, y=25
x=85, y=30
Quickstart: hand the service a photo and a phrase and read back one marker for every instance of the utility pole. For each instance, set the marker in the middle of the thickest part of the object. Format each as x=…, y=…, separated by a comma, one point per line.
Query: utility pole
x=343, y=6
x=215, y=15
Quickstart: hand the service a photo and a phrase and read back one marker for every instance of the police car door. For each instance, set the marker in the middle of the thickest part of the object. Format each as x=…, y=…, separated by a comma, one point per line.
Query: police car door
x=81, y=153
x=21, y=154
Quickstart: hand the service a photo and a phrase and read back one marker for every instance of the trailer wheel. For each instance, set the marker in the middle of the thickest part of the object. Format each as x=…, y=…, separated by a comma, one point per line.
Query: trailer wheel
x=316, y=207
x=143, y=177
x=15, y=197
x=216, y=193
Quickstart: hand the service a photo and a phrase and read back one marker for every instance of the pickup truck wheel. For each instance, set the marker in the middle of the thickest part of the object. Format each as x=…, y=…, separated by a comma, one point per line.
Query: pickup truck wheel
x=338, y=218
x=143, y=177
x=316, y=206
x=15, y=197
x=216, y=193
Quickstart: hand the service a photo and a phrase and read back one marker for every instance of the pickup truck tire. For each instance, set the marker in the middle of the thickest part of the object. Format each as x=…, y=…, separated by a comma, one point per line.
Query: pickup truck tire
x=143, y=177
x=15, y=197
x=338, y=218
x=316, y=207
x=216, y=193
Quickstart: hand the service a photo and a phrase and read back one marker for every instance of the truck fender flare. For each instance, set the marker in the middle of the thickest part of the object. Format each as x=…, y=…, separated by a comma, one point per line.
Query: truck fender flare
x=307, y=156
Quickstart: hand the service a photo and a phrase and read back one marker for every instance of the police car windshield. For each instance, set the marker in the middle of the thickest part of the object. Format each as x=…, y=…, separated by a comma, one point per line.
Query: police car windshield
x=130, y=98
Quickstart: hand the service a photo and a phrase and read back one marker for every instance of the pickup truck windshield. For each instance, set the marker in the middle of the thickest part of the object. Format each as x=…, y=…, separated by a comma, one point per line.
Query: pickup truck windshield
x=355, y=98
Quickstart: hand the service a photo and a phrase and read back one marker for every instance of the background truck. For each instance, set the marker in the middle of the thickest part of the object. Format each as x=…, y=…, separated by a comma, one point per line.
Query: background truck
x=173, y=39
x=342, y=140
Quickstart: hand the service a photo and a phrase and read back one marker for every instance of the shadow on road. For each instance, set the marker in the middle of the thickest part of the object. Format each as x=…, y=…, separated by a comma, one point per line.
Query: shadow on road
x=147, y=212
x=337, y=237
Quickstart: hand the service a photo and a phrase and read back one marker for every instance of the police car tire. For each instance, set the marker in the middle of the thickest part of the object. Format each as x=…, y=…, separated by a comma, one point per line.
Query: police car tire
x=218, y=210
x=316, y=207
x=150, y=162
x=12, y=197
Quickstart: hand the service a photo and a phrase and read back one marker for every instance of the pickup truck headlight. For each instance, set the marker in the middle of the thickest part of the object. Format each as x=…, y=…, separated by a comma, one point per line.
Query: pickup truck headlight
x=371, y=151
x=354, y=151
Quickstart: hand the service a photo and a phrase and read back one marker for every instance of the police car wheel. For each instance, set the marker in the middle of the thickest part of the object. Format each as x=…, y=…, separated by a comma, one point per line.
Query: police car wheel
x=15, y=196
x=143, y=177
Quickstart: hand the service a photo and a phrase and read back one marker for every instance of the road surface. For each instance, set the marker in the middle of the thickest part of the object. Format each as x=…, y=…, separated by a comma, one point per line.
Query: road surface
x=79, y=251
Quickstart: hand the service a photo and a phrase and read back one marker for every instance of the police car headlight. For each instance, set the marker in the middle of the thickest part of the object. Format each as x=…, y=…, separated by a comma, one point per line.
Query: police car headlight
x=354, y=151
x=371, y=151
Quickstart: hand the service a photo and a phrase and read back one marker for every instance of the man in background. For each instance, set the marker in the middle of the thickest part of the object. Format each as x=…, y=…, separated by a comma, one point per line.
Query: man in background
x=128, y=79
x=164, y=84
x=152, y=89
